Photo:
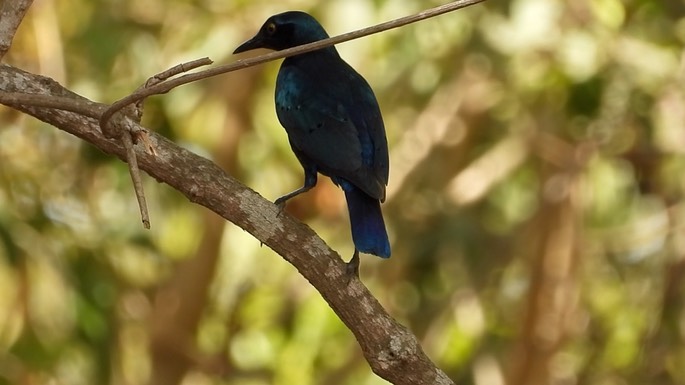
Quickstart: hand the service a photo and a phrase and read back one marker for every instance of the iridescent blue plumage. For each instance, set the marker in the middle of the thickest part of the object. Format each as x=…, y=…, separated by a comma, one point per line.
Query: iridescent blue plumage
x=333, y=123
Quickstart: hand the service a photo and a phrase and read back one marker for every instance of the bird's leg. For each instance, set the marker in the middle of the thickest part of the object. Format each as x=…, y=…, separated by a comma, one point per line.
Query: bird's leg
x=280, y=202
x=309, y=182
x=353, y=265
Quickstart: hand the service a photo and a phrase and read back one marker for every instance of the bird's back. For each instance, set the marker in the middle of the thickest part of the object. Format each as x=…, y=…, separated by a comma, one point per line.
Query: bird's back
x=333, y=119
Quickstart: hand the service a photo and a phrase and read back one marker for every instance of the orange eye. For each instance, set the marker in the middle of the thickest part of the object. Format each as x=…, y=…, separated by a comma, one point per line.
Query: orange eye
x=271, y=28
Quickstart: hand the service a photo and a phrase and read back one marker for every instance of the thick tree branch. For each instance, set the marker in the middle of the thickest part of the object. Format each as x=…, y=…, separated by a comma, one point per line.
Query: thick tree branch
x=11, y=15
x=392, y=351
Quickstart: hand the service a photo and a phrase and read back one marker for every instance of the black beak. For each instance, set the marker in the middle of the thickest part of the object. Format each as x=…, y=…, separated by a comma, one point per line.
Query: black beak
x=254, y=43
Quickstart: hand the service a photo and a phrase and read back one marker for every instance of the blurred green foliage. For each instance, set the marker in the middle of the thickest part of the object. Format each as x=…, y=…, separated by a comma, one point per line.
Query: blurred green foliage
x=534, y=206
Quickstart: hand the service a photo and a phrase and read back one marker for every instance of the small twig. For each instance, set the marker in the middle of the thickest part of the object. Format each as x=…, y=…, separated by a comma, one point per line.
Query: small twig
x=162, y=76
x=137, y=181
x=11, y=15
x=177, y=69
x=165, y=87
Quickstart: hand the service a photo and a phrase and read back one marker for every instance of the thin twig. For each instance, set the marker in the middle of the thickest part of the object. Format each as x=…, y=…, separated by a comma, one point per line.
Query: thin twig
x=162, y=76
x=133, y=169
x=177, y=69
x=165, y=87
x=11, y=15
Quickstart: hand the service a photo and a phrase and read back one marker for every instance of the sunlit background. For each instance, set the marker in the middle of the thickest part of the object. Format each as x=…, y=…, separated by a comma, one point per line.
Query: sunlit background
x=535, y=205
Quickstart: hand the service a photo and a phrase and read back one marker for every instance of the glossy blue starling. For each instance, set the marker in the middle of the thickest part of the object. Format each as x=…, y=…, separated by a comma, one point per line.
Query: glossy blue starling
x=334, y=125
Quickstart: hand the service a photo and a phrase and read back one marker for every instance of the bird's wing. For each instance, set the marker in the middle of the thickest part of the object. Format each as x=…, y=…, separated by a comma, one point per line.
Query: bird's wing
x=368, y=116
x=321, y=128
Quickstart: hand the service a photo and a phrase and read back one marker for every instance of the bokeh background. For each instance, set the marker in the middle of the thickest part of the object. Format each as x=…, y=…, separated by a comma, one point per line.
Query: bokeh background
x=535, y=205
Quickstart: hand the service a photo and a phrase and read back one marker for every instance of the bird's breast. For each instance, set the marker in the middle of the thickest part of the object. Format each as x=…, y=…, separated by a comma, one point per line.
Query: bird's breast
x=288, y=91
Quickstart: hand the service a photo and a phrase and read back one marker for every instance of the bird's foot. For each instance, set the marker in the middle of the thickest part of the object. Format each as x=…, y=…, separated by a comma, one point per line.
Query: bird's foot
x=280, y=202
x=352, y=267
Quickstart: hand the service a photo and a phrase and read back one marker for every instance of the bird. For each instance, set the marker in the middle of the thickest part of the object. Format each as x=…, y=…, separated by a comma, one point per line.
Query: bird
x=334, y=126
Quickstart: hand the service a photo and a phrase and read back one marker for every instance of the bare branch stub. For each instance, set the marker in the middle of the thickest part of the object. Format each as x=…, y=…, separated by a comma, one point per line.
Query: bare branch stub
x=175, y=70
x=135, y=177
x=165, y=75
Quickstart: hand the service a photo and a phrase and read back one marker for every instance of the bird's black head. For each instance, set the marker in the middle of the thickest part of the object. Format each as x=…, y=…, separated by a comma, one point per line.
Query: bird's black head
x=285, y=30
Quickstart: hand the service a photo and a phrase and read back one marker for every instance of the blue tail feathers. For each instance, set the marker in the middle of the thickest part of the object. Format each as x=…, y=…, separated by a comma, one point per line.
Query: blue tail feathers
x=368, y=228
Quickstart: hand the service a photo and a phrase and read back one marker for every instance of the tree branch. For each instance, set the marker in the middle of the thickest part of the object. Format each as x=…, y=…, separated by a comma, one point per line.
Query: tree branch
x=11, y=15
x=392, y=351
